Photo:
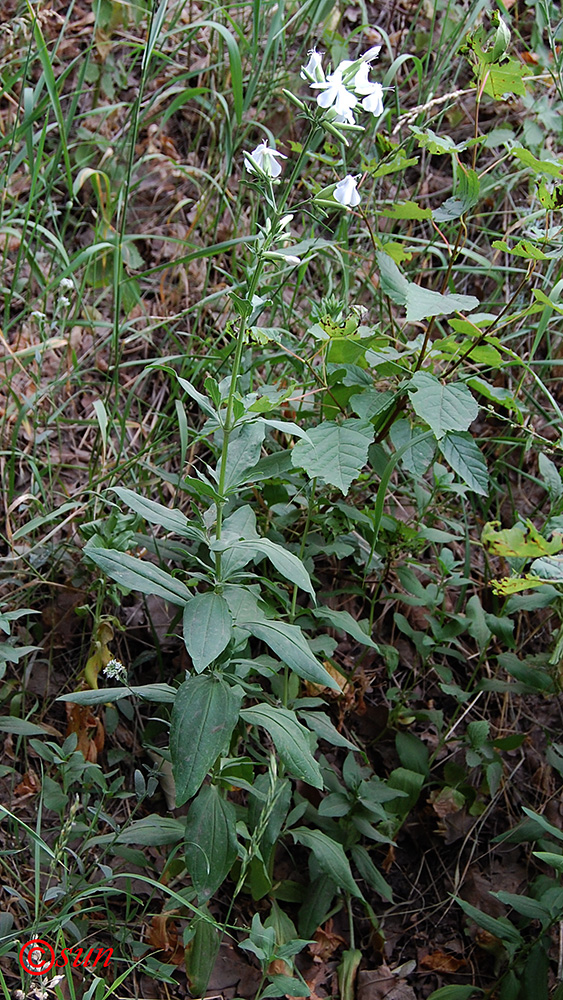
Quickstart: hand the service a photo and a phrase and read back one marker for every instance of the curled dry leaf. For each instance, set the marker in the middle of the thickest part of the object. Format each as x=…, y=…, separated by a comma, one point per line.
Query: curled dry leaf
x=439, y=961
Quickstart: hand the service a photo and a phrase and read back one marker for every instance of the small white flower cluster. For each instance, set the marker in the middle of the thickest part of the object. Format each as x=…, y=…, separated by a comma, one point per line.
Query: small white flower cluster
x=346, y=88
x=115, y=670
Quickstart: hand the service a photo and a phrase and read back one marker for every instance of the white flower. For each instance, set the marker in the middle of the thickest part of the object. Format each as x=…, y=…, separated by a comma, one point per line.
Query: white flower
x=115, y=670
x=64, y=302
x=335, y=95
x=66, y=284
x=346, y=192
x=371, y=54
x=314, y=69
x=373, y=99
x=264, y=158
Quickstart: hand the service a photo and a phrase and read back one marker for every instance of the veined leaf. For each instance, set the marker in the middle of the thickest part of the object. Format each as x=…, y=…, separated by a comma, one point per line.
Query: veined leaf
x=203, y=718
x=462, y=453
x=289, y=643
x=444, y=407
x=210, y=837
x=207, y=628
x=291, y=740
x=139, y=574
x=343, y=620
x=330, y=857
x=337, y=452
x=423, y=303
x=155, y=513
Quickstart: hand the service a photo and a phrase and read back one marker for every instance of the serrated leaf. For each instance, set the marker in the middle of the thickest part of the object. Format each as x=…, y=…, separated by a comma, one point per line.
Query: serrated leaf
x=203, y=718
x=207, y=628
x=463, y=455
x=337, y=452
x=139, y=574
x=289, y=643
x=211, y=843
x=330, y=857
x=291, y=740
x=444, y=407
x=423, y=303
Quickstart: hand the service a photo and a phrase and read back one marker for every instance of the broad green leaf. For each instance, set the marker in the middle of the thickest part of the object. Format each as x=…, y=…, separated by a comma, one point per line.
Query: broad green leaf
x=417, y=457
x=392, y=280
x=201, y=955
x=506, y=78
x=437, y=144
x=156, y=513
x=343, y=621
x=163, y=693
x=291, y=740
x=245, y=445
x=370, y=403
x=139, y=574
x=330, y=857
x=444, y=407
x=524, y=248
x=207, y=628
x=21, y=727
x=337, y=453
x=423, y=303
x=288, y=564
x=152, y=831
x=211, y=843
x=407, y=210
x=203, y=718
x=555, y=860
x=289, y=643
x=549, y=167
x=463, y=455
x=522, y=541
x=323, y=727
x=285, y=986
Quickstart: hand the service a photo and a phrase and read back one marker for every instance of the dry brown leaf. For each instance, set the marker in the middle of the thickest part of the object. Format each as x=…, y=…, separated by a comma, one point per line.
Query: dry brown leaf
x=383, y=984
x=89, y=730
x=163, y=937
x=326, y=943
x=439, y=961
x=29, y=785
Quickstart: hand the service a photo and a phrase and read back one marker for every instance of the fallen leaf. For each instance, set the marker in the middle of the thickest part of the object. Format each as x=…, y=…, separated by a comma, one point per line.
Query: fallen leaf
x=326, y=942
x=383, y=984
x=163, y=937
x=29, y=785
x=438, y=961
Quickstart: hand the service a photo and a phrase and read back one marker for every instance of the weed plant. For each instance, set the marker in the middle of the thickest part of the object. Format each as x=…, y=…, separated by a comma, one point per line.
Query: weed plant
x=280, y=447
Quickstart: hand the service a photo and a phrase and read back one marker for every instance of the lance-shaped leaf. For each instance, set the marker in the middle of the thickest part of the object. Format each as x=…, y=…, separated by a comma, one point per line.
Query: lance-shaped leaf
x=207, y=628
x=139, y=574
x=210, y=838
x=203, y=718
x=291, y=740
x=289, y=643
x=330, y=857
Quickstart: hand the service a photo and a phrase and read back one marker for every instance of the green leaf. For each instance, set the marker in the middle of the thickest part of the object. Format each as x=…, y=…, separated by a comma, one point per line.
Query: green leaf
x=454, y=992
x=21, y=727
x=463, y=455
x=392, y=280
x=549, y=567
x=343, y=621
x=444, y=407
x=291, y=740
x=522, y=541
x=162, y=693
x=289, y=643
x=155, y=513
x=284, y=986
x=152, y=831
x=288, y=564
x=201, y=955
x=323, y=727
x=207, y=628
x=407, y=210
x=203, y=718
x=466, y=196
x=139, y=574
x=330, y=857
x=370, y=873
x=549, y=167
x=337, y=453
x=524, y=248
x=211, y=843
x=499, y=926
x=423, y=303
